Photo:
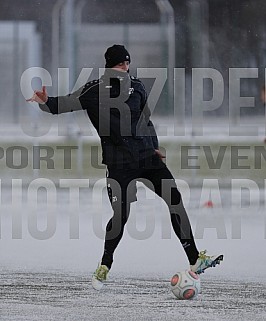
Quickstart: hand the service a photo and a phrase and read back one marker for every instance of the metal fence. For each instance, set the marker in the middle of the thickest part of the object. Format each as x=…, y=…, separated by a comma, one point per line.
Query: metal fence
x=19, y=49
x=174, y=41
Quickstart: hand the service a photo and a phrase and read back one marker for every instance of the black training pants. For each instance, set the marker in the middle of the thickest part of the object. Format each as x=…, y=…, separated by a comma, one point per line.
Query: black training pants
x=121, y=187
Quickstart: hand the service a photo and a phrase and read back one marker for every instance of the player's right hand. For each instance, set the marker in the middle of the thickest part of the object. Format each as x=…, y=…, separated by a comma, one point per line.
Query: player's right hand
x=39, y=97
x=158, y=152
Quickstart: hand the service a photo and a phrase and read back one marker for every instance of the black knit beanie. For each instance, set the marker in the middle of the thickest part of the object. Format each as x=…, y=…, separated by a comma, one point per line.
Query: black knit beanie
x=116, y=54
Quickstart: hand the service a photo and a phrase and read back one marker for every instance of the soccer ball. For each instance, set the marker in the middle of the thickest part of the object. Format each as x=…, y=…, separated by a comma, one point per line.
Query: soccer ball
x=185, y=285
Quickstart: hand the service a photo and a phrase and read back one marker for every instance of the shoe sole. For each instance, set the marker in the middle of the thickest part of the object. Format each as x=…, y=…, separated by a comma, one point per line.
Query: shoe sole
x=96, y=284
x=213, y=264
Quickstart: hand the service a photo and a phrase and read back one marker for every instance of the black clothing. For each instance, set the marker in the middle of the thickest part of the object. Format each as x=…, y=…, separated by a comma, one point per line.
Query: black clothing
x=116, y=54
x=117, y=107
x=121, y=187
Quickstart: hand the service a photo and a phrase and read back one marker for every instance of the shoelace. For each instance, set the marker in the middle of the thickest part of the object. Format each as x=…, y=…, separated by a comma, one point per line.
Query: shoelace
x=203, y=256
x=101, y=273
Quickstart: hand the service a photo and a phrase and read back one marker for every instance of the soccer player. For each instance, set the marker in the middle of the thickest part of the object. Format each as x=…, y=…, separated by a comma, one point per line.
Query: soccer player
x=117, y=107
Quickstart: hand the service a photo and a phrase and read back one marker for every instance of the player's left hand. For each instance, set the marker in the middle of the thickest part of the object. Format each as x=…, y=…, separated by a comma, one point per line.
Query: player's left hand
x=159, y=154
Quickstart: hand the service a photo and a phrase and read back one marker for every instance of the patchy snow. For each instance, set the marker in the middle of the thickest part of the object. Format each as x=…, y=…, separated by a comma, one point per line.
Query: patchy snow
x=50, y=279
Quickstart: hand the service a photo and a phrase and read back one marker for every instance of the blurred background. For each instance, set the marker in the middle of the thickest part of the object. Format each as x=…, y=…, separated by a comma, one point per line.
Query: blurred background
x=219, y=34
x=74, y=34
x=226, y=203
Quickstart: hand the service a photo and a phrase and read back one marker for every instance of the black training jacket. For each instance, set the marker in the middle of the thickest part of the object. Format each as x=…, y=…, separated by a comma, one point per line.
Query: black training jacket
x=117, y=107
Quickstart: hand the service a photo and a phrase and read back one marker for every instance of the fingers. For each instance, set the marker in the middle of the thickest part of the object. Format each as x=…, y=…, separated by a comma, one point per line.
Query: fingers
x=39, y=96
x=35, y=98
x=159, y=154
x=44, y=90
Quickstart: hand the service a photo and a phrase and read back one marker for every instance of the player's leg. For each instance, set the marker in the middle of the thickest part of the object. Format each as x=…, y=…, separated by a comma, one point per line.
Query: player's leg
x=199, y=262
x=120, y=199
x=164, y=186
x=114, y=233
x=115, y=226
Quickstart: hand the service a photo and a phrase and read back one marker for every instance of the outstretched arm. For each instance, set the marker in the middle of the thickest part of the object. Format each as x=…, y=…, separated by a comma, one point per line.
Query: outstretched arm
x=57, y=105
